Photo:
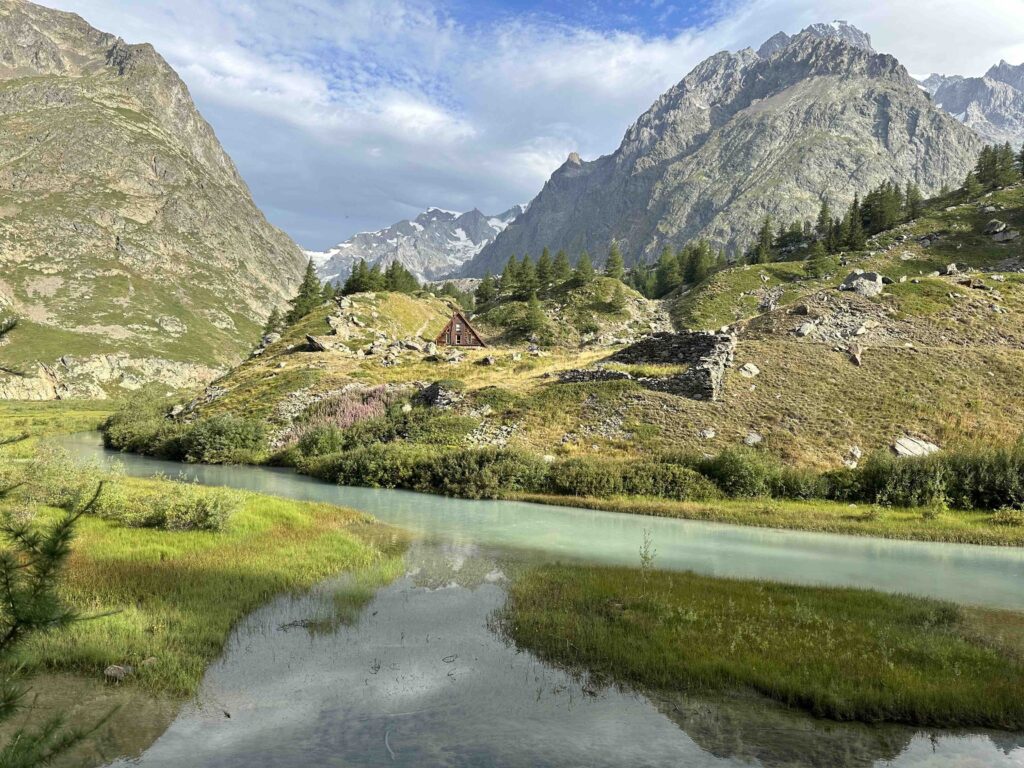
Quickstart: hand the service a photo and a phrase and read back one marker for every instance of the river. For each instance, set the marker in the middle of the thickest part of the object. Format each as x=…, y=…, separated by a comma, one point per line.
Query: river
x=419, y=678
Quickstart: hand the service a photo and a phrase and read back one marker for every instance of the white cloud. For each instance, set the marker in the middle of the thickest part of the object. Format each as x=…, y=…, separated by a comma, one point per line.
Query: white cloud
x=349, y=114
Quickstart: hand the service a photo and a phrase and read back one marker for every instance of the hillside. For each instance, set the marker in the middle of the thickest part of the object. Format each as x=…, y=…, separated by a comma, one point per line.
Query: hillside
x=747, y=135
x=130, y=248
x=941, y=356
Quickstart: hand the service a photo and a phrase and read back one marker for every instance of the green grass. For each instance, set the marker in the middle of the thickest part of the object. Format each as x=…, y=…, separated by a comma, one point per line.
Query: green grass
x=844, y=654
x=41, y=419
x=952, y=526
x=176, y=595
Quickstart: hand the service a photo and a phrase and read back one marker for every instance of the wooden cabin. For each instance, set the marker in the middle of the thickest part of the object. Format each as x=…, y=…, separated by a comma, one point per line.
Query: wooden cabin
x=459, y=333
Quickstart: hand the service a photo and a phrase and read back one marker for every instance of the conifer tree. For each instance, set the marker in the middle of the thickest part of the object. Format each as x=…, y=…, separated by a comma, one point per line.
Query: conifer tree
x=535, y=320
x=618, y=301
x=763, y=250
x=561, y=270
x=528, y=282
x=309, y=297
x=666, y=275
x=486, y=292
x=274, y=322
x=823, y=227
x=545, y=270
x=510, y=277
x=914, y=201
x=614, y=266
x=972, y=187
x=584, y=272
x=856, y=237
x=1020, y=162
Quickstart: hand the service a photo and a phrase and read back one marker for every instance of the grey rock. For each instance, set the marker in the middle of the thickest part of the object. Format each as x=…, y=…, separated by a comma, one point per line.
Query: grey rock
x=752, y=439
x=994, y=227
x=707, y=434
x=913, y=446
x=867, y=284
x=1007, y=236
x=741, y=137
x=805, y=329
x=749, y=370
x=992, y=105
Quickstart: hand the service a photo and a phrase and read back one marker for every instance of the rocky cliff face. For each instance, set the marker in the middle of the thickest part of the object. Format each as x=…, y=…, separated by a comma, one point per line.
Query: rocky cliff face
x=992, y=106
x=125, y=229
x=743, y=136
x=433, y=245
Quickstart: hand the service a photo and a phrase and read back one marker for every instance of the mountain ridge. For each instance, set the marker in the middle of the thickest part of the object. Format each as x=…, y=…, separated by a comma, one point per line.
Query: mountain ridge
x=740, y=137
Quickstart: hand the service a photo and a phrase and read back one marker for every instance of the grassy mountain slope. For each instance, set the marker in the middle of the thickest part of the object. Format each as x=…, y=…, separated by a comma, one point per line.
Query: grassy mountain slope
x=941, y=360
x=124, y=227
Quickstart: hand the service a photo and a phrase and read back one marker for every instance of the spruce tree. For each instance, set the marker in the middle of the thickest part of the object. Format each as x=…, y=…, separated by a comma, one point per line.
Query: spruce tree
x=666, y=275
x=561, y=270
x=584, y=272
x=763, y=250
x=274, y=322
x=914, y=201
x=618, y=301
x=545, y=270
x=486, y=292
x=510, y=277
x=528, y=282
x=309, y=297
x=972, y=187
x=614, y=266
x=823, y=227
x=1020, y=162
x=535, y=320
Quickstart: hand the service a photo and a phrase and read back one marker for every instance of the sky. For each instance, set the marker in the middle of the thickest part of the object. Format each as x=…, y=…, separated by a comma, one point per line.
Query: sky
x=349, y=115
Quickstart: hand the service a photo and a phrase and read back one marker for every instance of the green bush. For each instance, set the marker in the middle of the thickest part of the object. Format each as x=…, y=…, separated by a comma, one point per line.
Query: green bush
x=140, y=425
x=668, y=481
x=742, y=472
x=321, y=441
x=181, y=507
x=586, y=477
x=1008, y=516
x=224, y=439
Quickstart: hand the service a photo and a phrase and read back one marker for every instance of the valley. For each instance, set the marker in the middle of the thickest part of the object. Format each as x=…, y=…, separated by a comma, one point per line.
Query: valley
x=709, y=455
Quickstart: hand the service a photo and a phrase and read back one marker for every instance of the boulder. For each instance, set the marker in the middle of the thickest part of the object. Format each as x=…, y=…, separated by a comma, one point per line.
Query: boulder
x=805, y=329
x=752, y=439
x=994, y=227
x=856, y=352
x=1007, y=236
x=489, y=360
x=867, y=284
x=707, y=434
x=951, y=269
x=749, y=370
x=431, y=348
x=913, y=446
x=315, y=345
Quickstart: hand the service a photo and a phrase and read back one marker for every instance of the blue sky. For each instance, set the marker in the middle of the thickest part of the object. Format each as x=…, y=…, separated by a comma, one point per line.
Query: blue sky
x=348, y=115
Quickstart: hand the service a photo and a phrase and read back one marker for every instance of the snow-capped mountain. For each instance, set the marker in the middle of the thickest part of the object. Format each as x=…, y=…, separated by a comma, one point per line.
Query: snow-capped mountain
x=992, y=105
x=433, y=245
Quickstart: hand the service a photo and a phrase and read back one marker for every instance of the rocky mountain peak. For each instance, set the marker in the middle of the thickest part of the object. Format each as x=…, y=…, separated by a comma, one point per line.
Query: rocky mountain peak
x=1004, y=72
x=742, y=136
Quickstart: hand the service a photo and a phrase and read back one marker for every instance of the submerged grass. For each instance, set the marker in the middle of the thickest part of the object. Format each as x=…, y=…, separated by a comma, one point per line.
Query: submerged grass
x=844, y=654
x=174, y=596
x=950, y=526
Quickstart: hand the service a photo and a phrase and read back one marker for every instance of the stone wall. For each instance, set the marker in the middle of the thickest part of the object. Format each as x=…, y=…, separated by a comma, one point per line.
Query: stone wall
x=706, y=354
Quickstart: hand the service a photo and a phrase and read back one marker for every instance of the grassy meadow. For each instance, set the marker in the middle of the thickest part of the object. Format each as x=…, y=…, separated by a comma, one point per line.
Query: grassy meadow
x=843, y=654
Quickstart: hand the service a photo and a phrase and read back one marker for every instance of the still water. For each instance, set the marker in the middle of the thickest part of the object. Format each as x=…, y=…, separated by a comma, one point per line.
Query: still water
x=419, y=677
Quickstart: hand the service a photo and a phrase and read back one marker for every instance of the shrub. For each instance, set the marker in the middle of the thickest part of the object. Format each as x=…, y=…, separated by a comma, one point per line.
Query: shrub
x=321, y=440
x=904, y=482
x=340, y=412
x=140, y=425
x=585, y=477
x=224, y=439
x=179, y=506
x=669, y=481
x=1008, y=516
x=741, y=472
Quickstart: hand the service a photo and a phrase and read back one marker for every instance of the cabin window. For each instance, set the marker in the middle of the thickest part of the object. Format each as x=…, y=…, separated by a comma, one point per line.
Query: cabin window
x=458, y=338
x=458, y=327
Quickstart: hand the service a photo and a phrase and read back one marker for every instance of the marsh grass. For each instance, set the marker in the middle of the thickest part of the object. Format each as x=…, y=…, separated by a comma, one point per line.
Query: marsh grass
x=844, y=654
x=175, y=595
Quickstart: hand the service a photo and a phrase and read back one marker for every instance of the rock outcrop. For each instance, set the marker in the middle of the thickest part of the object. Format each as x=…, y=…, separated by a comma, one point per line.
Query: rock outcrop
x=992, y=105
x=125, y=229
x=744, y=136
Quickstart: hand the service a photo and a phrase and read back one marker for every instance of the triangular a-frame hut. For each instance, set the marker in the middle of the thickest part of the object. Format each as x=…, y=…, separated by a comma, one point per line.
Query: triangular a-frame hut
x=459, y=333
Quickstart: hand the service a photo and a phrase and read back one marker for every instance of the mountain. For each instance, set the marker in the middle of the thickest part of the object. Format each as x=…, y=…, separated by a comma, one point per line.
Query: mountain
x=991, y=105
x=743, y=136
x=130, y=247
x=433, y=245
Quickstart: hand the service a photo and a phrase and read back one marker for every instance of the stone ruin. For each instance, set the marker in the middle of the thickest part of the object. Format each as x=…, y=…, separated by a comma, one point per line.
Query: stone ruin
x=706, y=356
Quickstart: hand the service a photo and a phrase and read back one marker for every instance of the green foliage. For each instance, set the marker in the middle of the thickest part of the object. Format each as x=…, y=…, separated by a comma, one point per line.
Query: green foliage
x=168, y=505
x=309, y=297
x=487, y=291
x=844, y=654
x=561, y=270
x=584, y=272
x=275, y=323
x=762, y=253
x=614, y=267
x=997, y=166
x=31, y=565
x=545, y=269
x=224, y=439
x=603, y=478
x=741, y=471
x=140, y=425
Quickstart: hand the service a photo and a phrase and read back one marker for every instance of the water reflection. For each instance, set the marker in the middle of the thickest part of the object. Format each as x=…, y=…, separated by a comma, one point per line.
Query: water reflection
x=419, y=679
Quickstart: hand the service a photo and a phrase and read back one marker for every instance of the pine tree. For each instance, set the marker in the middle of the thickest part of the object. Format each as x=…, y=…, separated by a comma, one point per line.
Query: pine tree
x=666, y=275
x=274, y=323
x=561, y=270
x=614, y=266
x=618, y=301
x=545, y=271
x=1020, y=162
x=535, y=320
x=699, y=263
x=400, y=280
x=510, y=277
x=1005, y=166
x=853, y=227
x=528, y=282
x=914, y=205
x=823, y=227
x=30, y=604
x=584, y=272
x=309, y=297
x=972, y=187
x=486, y=292
x=641, y=279
x=763, y=250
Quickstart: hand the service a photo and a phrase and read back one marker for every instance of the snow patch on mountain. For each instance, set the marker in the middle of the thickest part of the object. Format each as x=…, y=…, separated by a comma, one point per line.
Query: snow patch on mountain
x=432, y=246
